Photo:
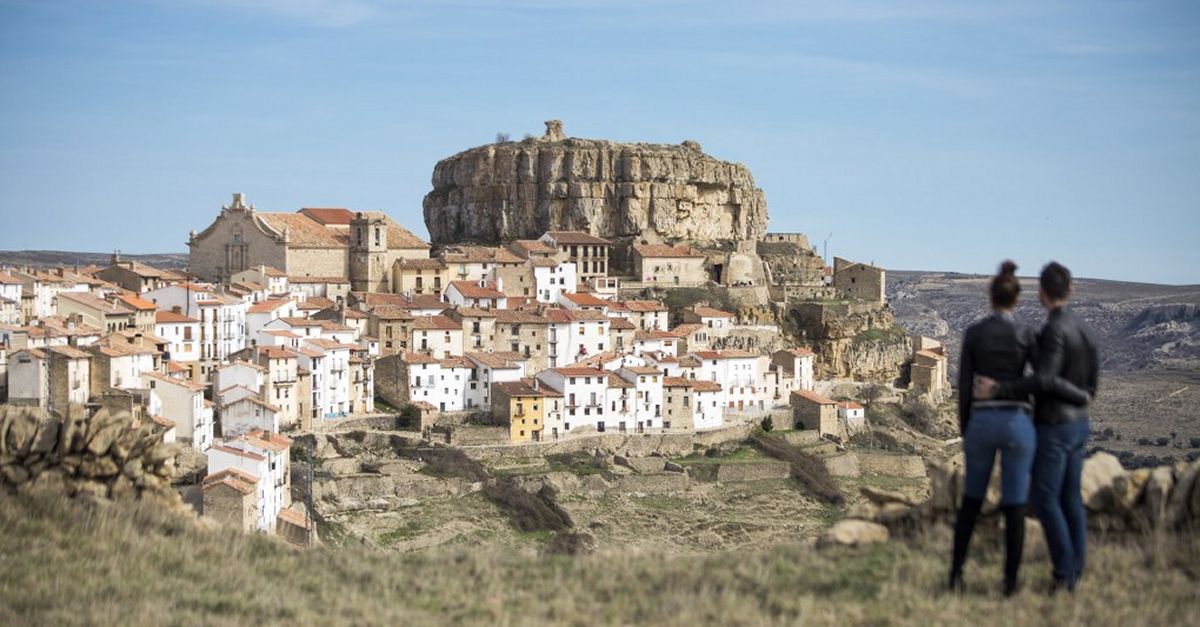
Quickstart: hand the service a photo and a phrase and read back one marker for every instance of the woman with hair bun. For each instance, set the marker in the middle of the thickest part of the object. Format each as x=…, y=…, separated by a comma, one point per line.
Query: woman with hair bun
x=997, y=347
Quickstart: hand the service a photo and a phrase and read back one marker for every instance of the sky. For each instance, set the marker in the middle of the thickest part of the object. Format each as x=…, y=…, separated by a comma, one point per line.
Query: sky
x=928, y=135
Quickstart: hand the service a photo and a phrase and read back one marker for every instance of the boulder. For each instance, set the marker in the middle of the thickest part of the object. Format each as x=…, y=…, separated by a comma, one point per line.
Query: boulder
x=850, y=532
x=1177, y=506
x=881, y=497
x=864, y=510
x=844, y=465
x=1158, y=492
x=22, y=427
x=47, y=436
x=102, y=436
x=1099, y=473
x=99, y=467
x=14, y=474
x=1128, y=488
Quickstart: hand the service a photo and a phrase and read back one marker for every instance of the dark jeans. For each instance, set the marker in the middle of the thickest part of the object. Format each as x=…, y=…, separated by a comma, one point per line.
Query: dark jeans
x=1056, y=495
x=1010, y=432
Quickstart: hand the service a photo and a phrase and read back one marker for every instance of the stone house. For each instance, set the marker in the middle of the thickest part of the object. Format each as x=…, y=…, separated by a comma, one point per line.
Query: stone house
x=665, y=265
x=94, y=310
x=859, y=281
x=620, y=333
x=929, y=373
x=814, y=411
x=231, y=498
x=480, y=263
x=678, y=404
x=528, y=334
x=53, y=377
x=281, y=386
x=273, y=280
x=482, y=294
x=134, y=276
x=648, y=315
x=360, y=247
x=478, y=326
x=117, y=364
x=420, y=276
x=246, y=414
x=797, y=364
x=143, y=311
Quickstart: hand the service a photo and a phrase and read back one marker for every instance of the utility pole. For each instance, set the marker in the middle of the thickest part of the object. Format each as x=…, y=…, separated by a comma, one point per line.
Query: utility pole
x=826, y=253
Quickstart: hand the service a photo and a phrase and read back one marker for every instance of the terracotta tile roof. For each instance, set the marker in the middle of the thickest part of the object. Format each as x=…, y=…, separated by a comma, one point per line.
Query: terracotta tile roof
x=849, y=405
x=170, y=317
x=293, y=517
x=579, y=371
x=473, y=312
x=327, y=216
x=518, y=388
x=136, y=302
x=456, y=362
x=294, y=321
x=532, y=246
x=304, y=278
x=276, y=352
x=472, y=289
x=798, y=352
x=710, y=312
x=663, y=250
x=234, y=478
x=195, y=387
x=653, y=334
x=677, y=382
x=420, y=264
x=160, y=421
x=586, y=300
x=497, y=360
x=509, y=316
x=391, y=313
x=615, y=381
x=480, y=254
x=92, y=301
x=329, y=345
x=620, y=324
x=419, y=358
x=647, y=370
x=254, y=401
x=266, y=440
x=575, y=237
x=706, y=386
x=812, y=397
x=268, y=306
x=9, y=279
x=174, y=366
x=686, y=329
x=435, y=323
x=224, y=448
x=541, y=262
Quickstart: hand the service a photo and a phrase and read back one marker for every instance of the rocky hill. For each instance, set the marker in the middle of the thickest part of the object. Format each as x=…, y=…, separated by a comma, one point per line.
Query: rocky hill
x=1140, y=325
x=511, y=190
x=54, y=258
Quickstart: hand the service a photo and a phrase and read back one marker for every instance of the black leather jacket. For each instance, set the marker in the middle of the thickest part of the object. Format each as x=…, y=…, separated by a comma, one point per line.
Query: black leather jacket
x=999, y=348
x=1066, y=353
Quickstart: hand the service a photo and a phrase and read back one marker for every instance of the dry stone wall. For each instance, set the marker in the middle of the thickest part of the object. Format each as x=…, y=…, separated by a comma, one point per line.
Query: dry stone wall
x=99, y=457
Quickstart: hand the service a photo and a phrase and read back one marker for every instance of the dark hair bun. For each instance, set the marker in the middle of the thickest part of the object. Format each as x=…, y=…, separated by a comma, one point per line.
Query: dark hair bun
x=1008, y=268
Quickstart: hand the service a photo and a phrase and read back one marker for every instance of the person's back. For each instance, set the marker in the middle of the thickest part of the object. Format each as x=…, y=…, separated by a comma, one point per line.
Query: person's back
x=997, y=347
x=1067, y=351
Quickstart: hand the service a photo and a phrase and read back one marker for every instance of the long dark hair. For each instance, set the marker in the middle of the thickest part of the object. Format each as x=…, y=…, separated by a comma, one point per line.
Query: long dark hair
x=1005, y=286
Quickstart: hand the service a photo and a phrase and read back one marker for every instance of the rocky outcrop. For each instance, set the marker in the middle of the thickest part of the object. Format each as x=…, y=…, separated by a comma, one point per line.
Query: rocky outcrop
x=853, y=339
x=98, y=457
x=1165, y=498
x=657, y=192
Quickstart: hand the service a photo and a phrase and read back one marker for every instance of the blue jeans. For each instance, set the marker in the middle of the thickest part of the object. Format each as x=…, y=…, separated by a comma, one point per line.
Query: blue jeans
x=1009, y=431
x=1056, y=495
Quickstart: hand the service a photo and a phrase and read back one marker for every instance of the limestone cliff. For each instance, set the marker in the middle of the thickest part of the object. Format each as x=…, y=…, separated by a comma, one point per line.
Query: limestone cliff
x=656, y=192
x=852, y=339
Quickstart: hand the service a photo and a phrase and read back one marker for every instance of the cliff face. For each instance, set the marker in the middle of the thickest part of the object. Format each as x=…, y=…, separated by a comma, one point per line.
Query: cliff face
x=858, y=341
x=656, y=192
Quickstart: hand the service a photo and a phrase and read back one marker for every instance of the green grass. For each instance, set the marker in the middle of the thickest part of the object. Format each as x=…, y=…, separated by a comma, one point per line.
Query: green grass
x=880, y=335
x=66, y=564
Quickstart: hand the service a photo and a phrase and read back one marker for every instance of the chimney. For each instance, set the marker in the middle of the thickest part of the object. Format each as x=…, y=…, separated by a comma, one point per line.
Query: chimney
x=499, y=284
x=177, y=309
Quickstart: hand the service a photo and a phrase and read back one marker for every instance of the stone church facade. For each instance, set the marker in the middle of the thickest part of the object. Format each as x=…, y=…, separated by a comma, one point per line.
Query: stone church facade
x=362, y=247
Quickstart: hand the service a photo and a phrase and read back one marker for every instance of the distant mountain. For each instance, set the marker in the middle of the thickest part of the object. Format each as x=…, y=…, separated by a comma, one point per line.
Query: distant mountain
x=1140, y=325
x=54, y=258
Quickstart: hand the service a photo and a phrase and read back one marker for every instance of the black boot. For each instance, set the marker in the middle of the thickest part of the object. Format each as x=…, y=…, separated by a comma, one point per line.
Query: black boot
x=1014, y=544
x=964, y=526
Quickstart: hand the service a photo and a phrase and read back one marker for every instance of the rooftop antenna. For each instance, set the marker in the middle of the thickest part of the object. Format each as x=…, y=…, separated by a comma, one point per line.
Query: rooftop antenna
x=826, y=254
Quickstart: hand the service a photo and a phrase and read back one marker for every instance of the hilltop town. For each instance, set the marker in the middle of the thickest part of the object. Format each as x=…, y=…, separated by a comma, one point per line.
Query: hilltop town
x=579, y=295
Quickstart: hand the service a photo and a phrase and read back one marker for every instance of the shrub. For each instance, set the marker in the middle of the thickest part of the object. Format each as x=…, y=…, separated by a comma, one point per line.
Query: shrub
x=768, y=423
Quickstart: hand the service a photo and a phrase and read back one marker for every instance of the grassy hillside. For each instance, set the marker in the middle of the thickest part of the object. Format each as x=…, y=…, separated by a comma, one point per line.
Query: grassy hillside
x=63, y=563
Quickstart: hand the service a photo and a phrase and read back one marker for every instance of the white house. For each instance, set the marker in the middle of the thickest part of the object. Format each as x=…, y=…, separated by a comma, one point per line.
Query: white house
x=490, y=368
x=264, y=456
x=584, y=390
x=182, y=334
x=482, y=294
x=182, y=402
x=716, y=321
x=707, y=412
x=551, y=278
x=738, y=374
x=222, y=319
x=260, y=314
x=274, y=280
x=441, y=383
x=246, y=414
x=573, y=335
x=852, y=415
x=648, y=397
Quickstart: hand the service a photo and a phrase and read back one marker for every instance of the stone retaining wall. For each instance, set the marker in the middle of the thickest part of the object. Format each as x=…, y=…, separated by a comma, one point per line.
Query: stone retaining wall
x=906, y=466
x=753, y=471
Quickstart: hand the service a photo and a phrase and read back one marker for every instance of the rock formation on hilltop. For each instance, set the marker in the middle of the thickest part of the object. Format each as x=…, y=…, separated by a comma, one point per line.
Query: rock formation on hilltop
x=656, y=192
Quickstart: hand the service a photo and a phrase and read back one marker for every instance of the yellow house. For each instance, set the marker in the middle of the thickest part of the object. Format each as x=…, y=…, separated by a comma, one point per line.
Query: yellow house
x=522, y=406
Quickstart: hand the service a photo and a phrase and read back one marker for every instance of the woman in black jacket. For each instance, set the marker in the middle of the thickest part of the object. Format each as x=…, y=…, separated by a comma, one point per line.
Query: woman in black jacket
x=999, y=348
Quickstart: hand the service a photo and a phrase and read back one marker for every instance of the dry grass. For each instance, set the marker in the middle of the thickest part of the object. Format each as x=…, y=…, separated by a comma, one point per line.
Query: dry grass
x=61, y=563
x=807, y=469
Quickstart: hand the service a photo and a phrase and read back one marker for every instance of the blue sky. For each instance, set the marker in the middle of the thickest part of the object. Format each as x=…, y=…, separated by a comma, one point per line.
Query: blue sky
x=921, y=135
